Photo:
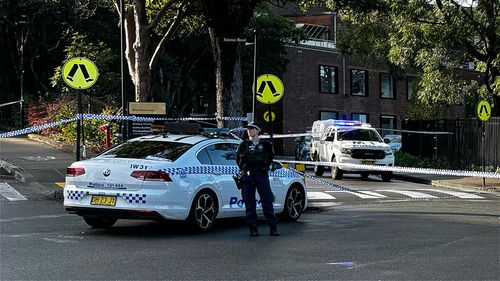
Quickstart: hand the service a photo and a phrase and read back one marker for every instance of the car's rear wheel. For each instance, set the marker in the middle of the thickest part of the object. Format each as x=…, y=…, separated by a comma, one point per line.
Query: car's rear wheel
x=100, y=222
x=204, y=210
x=294, y=203
x=337, y=173
x=387, y=176
x=318, y=170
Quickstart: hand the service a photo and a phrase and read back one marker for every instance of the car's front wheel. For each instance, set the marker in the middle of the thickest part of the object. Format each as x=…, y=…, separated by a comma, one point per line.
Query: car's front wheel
x=337, y=173
x=204, y=210
x=294, y=203
x=318, y=170
x=100, y=222
x=387, y=176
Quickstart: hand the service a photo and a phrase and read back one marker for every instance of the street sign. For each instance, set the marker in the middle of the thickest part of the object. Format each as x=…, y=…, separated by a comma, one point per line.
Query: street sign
x=266, y=116
x=483, y=110
x=269, y=89
x=80, y=73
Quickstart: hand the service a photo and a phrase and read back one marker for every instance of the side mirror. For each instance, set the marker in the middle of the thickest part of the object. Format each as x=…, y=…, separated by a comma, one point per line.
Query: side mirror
x=387, y=140
x=276, y=166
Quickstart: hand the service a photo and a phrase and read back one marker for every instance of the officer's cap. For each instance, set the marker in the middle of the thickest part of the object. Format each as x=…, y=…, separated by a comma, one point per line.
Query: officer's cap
x=255, y=125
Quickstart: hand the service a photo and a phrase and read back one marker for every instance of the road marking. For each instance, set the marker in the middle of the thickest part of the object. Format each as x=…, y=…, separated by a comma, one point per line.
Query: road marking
x=360, y=194
x=457, y=194
x=412, y=194
x=312, y=195
x=10, y=193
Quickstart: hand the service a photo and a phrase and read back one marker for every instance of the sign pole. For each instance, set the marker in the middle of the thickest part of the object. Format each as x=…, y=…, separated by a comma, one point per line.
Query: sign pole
x=271, y=123
x=78, y=125
x=254, y=86
x=483, y=135
x=483, y=110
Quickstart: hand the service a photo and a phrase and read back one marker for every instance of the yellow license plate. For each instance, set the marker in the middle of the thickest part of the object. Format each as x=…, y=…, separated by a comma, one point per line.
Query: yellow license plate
x=367, y=162
x=103, y=200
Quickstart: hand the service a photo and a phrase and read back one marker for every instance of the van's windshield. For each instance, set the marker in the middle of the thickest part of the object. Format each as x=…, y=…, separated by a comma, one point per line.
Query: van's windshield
x=359, y=135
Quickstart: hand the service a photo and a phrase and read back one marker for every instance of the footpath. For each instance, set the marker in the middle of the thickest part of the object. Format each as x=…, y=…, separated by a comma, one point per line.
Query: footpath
x=41, y=164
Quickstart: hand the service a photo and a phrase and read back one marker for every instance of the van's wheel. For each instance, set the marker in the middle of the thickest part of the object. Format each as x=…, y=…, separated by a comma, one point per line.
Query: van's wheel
x=364, y=175
x=294, y=203
x=204, y=211
x=318, y=170
x=337, y=173
x=387, y=176
x=100, y=222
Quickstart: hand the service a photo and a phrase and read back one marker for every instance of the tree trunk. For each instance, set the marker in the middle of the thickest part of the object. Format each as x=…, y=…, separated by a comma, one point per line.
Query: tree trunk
x=228, y=84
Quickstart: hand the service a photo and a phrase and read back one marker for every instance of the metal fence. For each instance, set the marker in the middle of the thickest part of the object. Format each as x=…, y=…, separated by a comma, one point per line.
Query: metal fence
x=462, y=147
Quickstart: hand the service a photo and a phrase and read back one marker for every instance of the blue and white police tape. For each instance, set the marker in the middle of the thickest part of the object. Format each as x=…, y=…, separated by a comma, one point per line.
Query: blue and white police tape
x=396, y=169
x=225, y=170
x=36, y=128
x=327, y=183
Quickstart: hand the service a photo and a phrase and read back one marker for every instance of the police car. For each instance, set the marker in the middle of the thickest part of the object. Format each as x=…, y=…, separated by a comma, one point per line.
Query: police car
x=350, y=142
x=172, y=177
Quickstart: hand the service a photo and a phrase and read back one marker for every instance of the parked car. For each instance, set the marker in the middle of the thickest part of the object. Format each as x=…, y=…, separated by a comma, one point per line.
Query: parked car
x=302, y=148
x=395, y=142
x=173, y=177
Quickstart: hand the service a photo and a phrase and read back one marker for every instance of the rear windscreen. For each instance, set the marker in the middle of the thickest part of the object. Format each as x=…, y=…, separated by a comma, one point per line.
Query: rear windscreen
x=152, y=150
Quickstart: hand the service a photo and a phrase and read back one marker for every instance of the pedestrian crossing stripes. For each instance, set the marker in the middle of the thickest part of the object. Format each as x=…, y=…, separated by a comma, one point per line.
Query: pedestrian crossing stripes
x=10, y=193
x=390, y=194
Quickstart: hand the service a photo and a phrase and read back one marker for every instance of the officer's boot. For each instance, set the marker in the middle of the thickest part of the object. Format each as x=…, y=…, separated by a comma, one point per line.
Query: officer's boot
x=253, y=230
x=273, y=230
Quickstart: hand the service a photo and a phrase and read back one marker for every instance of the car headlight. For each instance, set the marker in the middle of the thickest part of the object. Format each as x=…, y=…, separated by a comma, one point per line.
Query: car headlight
x=346, y=151
x=388, y=151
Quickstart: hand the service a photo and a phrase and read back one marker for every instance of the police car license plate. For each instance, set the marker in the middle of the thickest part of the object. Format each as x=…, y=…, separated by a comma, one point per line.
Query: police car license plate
x=368, y=162
x=103, y=200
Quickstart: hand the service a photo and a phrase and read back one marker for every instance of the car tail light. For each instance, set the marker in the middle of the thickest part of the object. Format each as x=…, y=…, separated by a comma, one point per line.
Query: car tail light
x=74, y=171
x=151, y=175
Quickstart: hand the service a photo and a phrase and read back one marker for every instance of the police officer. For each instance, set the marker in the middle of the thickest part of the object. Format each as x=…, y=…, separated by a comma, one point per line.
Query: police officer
x=254, y=156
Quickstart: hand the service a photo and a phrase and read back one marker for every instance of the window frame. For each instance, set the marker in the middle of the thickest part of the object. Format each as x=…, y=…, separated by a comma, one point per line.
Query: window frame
x=361, y=113
x=335, y=82
x=334, y=112
x=393, y=84
x=387, y=116
x=365, y=81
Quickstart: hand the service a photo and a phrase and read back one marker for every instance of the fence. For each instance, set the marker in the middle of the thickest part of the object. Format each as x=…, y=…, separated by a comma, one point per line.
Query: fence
x=461, y=148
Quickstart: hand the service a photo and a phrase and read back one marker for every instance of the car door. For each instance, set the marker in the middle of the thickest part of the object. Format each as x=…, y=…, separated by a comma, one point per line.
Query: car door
x=222, y=157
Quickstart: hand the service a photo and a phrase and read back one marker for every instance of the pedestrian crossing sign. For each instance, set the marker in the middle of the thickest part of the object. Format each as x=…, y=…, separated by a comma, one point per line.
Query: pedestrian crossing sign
x=80, y=73
x=269, y=89
x=483, y=110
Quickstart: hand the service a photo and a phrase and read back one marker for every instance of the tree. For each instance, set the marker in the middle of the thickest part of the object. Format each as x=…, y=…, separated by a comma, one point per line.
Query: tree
x=435, y=37
x=149, y=25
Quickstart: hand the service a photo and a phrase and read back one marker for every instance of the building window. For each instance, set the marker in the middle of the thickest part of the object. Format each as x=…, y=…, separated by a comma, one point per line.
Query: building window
x=360, y=117
x=328, y=79
x=387, y=86
x=324, y=115
x=359, y=82
x=387, y=122
x=410, y=86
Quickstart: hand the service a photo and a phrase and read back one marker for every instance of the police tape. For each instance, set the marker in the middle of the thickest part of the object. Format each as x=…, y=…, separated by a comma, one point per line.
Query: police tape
x=318, y=134
x=396, y=169
x=219, y=169
x=37, y=128
x=327, y=183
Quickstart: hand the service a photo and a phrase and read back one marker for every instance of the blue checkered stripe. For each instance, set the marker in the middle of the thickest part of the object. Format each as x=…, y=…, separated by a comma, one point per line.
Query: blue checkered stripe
x=134, y=198
x=76, y=194
x=228, y=170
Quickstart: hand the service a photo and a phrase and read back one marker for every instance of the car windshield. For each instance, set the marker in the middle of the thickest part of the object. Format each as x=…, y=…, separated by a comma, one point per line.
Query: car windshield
x=151, y=150
x=359, y=135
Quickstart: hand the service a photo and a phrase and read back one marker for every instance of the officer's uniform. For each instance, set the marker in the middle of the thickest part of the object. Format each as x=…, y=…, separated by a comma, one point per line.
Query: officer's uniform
x=254, y=159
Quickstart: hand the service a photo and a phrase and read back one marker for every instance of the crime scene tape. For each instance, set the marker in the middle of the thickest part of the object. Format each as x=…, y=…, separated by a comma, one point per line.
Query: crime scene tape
x=9, y=103
x=318, y=134
x=408, y=170
x=327, y=183
x=38, y=128
x=228, y=170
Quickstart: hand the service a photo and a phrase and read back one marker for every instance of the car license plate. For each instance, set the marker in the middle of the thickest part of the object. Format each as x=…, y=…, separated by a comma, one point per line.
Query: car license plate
x=103, y=200
x=368, y=162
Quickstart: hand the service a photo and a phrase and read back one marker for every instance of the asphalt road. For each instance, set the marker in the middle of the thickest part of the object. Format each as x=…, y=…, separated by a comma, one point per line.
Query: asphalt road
x=407, y=240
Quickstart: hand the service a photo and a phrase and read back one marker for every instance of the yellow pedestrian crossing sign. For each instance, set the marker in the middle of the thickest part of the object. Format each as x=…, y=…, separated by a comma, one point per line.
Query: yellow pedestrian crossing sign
x=269, y=89
x=80, y=73
x=269, y=117
x=483, y=110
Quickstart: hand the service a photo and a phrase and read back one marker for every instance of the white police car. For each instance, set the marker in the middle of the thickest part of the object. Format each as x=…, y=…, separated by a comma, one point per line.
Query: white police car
x=173, y=177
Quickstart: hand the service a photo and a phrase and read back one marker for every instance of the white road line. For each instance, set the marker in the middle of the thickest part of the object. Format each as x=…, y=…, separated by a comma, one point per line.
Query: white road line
x=312, y=195
x=10, y=193
x=378, y=195
x=412, y=194
x=457, y=194
x=360, y=195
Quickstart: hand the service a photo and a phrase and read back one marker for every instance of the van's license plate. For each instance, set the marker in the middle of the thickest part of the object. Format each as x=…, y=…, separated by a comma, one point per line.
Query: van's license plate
x=103, y=200
x=368, y=162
